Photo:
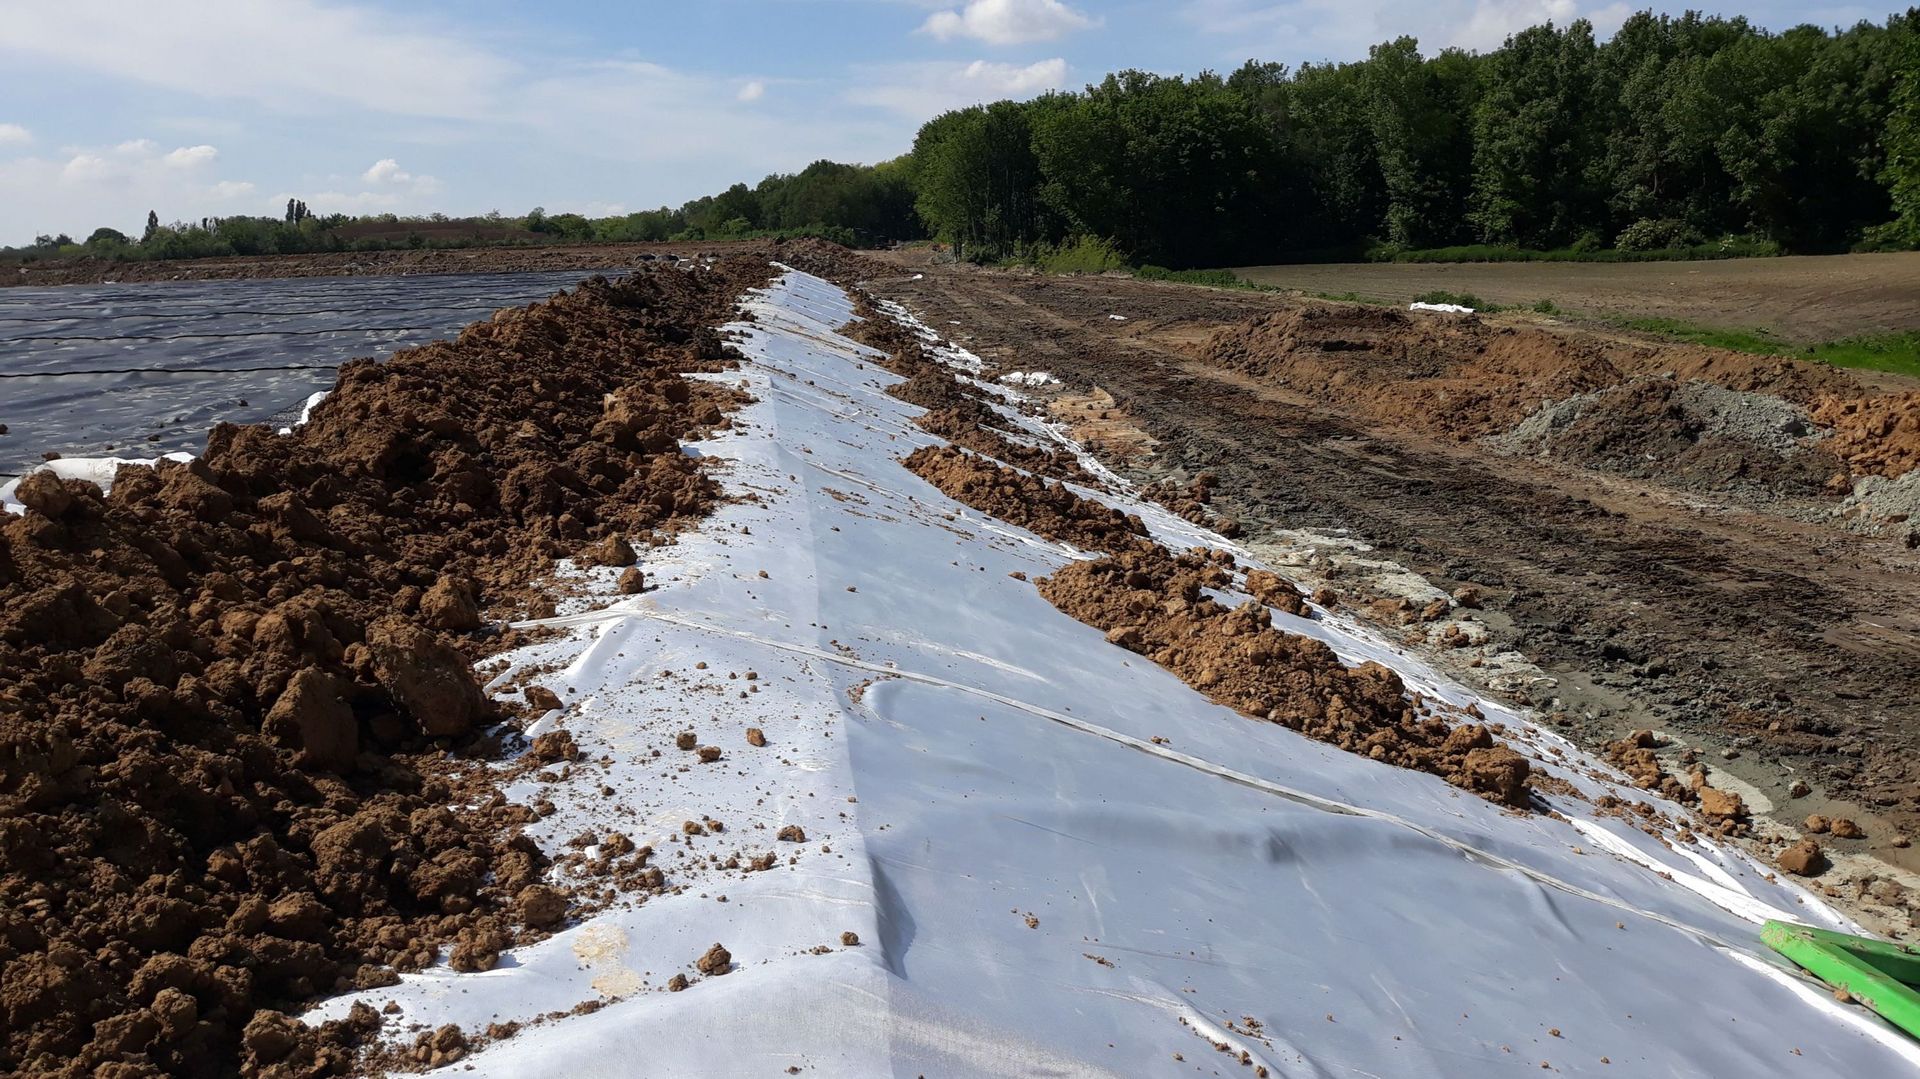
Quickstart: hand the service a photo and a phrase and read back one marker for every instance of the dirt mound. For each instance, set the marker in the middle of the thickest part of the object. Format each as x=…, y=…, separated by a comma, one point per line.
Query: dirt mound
x=1045, y=509
x=1692, y=417
x=1464, y=378
x=1686, y=433
x=1150, y=602
x=227, y=689
x=972, y=425
x=1878, y=436
x=1458, y=377
x=955, y=411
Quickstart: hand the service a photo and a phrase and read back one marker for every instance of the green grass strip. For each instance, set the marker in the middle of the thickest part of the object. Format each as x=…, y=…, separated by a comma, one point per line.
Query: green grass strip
x=1895, y=352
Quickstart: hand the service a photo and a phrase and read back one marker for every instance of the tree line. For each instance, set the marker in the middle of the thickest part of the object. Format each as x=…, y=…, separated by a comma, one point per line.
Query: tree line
x=1677, y=132
x=858, y=205
x=1689, y=135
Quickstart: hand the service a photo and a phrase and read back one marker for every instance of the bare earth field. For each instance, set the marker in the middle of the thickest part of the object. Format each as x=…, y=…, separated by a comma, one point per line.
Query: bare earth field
x=1642, y=572
x=548, y=258
x=1804, y=299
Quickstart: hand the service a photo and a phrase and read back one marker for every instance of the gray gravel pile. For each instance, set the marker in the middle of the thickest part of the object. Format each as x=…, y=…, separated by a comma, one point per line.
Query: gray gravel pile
x=1882, y=506
x=1754, y=419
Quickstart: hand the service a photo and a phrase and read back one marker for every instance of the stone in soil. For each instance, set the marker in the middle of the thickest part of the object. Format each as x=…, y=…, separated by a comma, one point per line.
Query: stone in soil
x=715, y=962
x=1803, y=859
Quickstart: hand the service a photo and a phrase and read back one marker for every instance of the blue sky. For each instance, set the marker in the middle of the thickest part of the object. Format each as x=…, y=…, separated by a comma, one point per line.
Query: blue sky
x=109, y=108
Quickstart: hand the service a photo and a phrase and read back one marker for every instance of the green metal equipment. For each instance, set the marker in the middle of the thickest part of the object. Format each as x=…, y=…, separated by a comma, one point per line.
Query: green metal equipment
x=1884, y=977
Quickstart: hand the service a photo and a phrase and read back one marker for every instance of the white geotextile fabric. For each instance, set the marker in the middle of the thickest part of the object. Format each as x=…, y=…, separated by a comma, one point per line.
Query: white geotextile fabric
x=96, y=470
x=1040, y=887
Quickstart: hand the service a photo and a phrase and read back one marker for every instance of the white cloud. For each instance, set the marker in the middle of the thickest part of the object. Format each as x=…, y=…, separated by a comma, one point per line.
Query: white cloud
x=10, y=133
x=188, y=157
x=344, y=69
x=919, y=91
x=300, y=55
x=1011, y=81
x=84, y=167
x=1318, y=30
x=1492, y=21
x=89, y=186
x=1007, y=22
x=354, y=202
x=387, y=173
x=1297, y=29
x=694, y=126
x=1608, y=20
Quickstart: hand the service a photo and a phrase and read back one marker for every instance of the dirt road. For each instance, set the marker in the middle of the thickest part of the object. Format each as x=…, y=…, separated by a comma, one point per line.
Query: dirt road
x=1781, y=650
x=1803, y=299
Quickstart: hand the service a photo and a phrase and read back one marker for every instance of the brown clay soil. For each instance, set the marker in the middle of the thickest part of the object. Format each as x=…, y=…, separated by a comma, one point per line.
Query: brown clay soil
x=236, y=696
x=1709, y=597
x=1466, y=378
x=532, y=259
x=1149, y=601
x=1805, y=299
x=1879, y=435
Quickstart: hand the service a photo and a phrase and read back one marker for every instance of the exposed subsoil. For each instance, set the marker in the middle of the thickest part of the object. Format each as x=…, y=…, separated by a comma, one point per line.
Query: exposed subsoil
x=236, y=696
x=470, y=260
x=1046, y=509
x=955, y=413
x=1879, y=435
x=1644, y=410
x=1151, y=602
x=1703, y=593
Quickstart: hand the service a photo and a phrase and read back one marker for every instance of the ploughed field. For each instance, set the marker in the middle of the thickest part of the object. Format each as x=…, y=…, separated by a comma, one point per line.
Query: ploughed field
x=1803, y=299
x=545, y=258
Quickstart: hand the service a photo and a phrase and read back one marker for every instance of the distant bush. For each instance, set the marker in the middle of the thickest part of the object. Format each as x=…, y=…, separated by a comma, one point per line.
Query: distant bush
x=1656, y=234
x=1893, y=236
x=1215, y=278
x=1462, y=253
x=1082, y=254
x=1352, y=297
x=1463, y=299
x=1546, y=307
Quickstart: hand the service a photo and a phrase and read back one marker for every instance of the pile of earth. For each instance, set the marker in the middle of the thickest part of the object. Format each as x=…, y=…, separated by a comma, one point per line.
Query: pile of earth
x=1693, y=417
x=956, y=412
x=1459, y=376
x=1152, y=602
x=236, y=694
x=1879, y=436
x=1692, y=433
x=1047, y=509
